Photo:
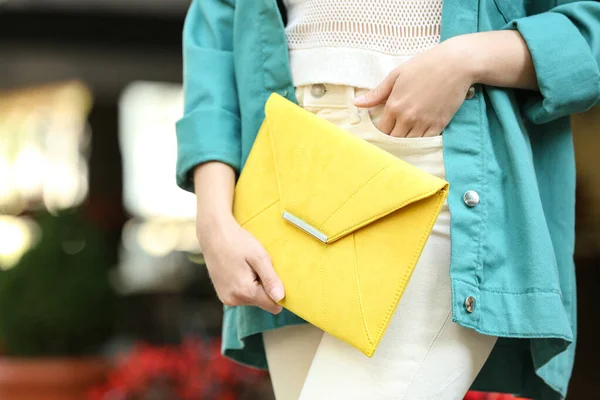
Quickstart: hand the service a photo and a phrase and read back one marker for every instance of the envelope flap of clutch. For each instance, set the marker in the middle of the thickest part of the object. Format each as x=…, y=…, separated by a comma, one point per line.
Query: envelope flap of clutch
x=331, y=182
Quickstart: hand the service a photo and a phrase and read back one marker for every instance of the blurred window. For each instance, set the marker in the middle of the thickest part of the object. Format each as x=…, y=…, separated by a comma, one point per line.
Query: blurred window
x=147, y=115
x=43, y=147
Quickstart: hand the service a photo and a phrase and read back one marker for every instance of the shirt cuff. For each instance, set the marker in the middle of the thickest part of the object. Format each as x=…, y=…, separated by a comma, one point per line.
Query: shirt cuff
x=206, y=135
x=567, y=71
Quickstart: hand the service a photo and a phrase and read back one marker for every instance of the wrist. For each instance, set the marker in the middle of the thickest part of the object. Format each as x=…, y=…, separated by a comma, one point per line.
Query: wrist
x=210, y=224
x=469, y=57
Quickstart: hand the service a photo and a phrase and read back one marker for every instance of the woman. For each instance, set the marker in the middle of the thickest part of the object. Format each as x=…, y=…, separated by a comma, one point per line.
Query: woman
x=499, y=78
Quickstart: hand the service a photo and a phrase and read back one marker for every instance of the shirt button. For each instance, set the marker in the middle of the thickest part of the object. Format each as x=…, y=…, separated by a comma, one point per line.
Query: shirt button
x=471, y=198
x=470, y=93
x=284, y=93
x=318, y=90
x=470, y=304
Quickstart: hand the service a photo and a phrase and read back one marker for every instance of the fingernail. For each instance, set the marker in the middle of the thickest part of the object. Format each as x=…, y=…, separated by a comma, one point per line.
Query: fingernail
x=277, y=293
x=360, y=99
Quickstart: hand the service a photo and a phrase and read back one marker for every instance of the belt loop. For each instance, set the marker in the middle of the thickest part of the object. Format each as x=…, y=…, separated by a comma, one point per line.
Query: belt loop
x=353, y=111
x=300, y=90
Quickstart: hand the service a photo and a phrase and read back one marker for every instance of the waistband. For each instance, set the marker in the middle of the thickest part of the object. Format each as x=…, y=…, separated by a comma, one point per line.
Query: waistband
x=336, y=104
x=325, y=95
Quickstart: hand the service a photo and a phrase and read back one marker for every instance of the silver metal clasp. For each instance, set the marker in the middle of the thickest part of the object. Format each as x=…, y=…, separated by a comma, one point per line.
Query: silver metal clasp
x=306, y=227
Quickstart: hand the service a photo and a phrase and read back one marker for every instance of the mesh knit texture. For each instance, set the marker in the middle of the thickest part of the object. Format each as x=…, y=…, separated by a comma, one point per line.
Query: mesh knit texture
x=393, y=27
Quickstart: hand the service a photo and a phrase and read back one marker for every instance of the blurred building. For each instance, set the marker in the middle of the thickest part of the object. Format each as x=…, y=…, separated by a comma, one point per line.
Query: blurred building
x=116, y=65
x=89, y=94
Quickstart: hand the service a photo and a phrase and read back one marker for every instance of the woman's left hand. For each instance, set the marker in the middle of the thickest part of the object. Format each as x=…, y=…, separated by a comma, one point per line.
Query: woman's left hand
x=422, y=95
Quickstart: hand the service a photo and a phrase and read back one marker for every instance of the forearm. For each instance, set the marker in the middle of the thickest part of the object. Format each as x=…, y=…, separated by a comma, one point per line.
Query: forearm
x=214, y=186
x=497, y=58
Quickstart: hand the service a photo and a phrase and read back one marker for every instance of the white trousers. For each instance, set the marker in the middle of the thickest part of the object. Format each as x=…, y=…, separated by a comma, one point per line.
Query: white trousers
x=423, y=354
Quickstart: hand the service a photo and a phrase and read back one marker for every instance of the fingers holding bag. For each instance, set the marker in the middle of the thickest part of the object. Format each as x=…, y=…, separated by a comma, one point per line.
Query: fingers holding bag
x=241, y=270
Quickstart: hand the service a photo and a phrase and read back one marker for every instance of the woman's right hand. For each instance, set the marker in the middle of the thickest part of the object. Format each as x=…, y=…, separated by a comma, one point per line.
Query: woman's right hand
x=239, y=266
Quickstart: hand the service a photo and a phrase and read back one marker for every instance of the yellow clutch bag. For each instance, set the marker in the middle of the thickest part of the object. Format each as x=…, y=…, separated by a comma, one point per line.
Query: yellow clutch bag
x=343, y=221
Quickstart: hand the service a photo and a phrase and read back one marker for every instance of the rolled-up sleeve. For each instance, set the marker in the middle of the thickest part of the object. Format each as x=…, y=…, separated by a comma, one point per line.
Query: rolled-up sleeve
x=565, y=47
x=210, y=127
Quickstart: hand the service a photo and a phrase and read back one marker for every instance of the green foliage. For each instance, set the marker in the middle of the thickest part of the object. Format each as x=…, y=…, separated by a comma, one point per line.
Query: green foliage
x=58, y=301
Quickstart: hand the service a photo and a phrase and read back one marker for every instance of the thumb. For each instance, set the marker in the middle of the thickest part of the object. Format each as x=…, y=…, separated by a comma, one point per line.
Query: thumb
x=378, y=95
x=268, y=277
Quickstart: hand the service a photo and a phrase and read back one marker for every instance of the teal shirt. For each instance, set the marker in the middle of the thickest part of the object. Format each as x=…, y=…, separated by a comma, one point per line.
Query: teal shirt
x=513, y=251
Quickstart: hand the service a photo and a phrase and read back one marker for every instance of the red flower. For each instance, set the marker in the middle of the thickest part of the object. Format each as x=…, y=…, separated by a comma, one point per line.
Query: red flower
x=489, y=396
x=195, y=370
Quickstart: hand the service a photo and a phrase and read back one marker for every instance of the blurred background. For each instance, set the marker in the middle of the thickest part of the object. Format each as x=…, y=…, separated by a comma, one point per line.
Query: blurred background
x=102, y=287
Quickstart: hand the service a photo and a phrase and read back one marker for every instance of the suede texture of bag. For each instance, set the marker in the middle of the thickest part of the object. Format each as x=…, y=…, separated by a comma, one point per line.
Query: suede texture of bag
x=343, y=221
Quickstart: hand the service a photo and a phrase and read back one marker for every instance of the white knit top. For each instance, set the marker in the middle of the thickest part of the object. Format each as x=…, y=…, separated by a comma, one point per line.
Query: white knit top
x=357, y=42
